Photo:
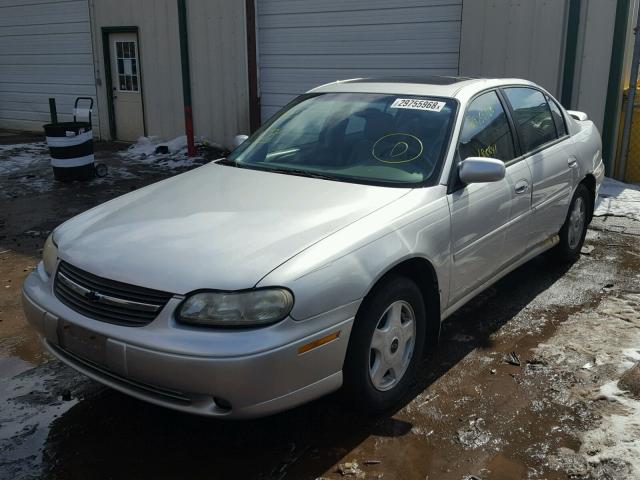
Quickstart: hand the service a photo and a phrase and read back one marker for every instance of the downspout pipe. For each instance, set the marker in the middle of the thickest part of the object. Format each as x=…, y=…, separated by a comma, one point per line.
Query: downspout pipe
x=628, y=112
x=186, y=76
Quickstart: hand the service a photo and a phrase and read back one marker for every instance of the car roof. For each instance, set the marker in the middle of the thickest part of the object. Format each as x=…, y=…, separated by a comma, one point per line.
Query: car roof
x=439, y=86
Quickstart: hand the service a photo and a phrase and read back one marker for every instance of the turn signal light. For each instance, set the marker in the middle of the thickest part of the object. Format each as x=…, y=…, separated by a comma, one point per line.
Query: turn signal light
x=319, y=342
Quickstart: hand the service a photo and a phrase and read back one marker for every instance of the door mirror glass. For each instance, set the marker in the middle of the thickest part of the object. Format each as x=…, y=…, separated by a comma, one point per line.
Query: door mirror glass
x=239, y=140
x=481, y=170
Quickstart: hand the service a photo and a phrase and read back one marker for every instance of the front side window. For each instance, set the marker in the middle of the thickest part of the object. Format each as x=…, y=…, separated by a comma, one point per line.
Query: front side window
x=532, y=117
x=361, y=137
x=485, y=130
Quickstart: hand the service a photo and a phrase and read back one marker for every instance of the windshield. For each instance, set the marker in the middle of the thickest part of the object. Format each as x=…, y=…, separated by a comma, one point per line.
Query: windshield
x=359, y=137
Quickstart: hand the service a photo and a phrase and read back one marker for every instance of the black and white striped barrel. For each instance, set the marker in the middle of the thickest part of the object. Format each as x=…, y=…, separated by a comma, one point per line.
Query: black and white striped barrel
x=71, y=148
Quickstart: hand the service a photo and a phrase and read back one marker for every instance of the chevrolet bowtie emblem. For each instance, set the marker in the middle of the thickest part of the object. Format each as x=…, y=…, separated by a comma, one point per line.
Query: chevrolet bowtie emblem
x=93, y=296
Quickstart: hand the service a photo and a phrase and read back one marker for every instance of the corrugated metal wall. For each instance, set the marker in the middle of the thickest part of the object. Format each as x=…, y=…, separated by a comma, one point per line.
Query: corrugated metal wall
x=594, y=58
x=218, y=62
x=304, y=43
x=514, y=38
x=526, y=39
x=159, y=50
x=45, y=51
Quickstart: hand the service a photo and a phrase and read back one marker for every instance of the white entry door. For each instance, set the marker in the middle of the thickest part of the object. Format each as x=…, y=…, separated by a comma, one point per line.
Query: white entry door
x=127, y=87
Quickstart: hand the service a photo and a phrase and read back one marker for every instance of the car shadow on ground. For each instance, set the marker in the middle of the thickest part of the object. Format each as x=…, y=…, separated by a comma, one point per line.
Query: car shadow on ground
x=109, y=435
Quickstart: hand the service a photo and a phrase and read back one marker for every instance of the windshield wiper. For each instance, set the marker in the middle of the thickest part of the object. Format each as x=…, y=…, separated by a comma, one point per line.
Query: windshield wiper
x=299, y=173
x=289, y=171
x=226, y=161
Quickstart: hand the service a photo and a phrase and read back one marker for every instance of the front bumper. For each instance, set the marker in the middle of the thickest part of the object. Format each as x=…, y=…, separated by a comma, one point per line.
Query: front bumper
x=204, y=371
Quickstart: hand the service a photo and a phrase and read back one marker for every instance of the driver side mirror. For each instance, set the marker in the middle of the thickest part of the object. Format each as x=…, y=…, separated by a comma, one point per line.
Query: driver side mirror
x=239, y=140
x=481, y=170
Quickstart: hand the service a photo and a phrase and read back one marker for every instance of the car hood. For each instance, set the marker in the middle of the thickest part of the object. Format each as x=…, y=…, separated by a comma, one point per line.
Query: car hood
x=215, y=227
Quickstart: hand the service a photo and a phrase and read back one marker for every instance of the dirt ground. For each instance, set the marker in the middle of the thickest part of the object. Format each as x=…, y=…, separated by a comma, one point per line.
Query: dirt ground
x=524, y=383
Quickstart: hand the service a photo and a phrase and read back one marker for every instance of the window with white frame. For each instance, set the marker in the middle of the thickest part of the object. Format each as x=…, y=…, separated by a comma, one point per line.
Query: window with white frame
x=127, y=66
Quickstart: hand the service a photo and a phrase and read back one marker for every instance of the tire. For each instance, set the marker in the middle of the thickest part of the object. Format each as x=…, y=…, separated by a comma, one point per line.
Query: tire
x=378, y=372
x=574, y=228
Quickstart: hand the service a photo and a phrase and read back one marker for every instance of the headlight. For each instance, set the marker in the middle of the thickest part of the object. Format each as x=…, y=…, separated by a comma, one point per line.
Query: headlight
x=237, y=309
x=49, y=255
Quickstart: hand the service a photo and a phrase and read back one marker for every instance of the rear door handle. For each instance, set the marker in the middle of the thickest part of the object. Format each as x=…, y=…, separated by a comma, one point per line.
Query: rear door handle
x=521, y=187
x=571, y=161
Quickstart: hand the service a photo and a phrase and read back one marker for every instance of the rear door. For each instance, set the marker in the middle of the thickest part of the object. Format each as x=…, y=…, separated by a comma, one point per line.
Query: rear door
x=484, y=215
x=548, y=152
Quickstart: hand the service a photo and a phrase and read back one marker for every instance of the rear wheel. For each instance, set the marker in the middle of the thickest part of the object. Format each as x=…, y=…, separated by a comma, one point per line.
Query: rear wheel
x=574, y=229
x=385, y=346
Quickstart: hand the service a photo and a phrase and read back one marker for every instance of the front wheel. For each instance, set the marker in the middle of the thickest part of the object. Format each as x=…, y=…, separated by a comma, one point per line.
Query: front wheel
x=385, y=346
x=574, y=229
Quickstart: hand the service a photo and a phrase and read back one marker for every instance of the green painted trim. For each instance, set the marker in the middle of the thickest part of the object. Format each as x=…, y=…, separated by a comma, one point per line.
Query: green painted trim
x=184, y=52
x=615, y=77
x=106, y=58
x=570, y=52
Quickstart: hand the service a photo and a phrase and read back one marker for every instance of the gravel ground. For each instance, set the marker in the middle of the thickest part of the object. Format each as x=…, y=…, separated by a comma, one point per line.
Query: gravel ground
x=524, y=384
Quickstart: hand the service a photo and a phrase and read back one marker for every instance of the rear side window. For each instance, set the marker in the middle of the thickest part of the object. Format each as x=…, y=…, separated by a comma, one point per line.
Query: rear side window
x=485, y=130
x=558, y=119
x=532, y=117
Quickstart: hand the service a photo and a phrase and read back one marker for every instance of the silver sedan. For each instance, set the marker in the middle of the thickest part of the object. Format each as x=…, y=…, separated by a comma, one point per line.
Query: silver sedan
x=324, y=252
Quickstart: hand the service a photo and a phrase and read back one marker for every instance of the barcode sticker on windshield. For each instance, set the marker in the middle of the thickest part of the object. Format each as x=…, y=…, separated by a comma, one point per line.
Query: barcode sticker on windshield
x=415, y=104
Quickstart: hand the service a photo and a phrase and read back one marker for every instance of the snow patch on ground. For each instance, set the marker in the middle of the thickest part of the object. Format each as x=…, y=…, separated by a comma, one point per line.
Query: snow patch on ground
x=632, y=353
x=26, y=167
x=146, y=146
x=618, y=436
x=618, y=199
x=144, y=151
x=608, y=341
x=21, y=157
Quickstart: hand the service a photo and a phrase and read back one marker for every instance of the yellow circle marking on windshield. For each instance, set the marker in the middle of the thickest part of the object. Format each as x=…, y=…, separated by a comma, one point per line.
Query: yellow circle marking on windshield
x=399, y=148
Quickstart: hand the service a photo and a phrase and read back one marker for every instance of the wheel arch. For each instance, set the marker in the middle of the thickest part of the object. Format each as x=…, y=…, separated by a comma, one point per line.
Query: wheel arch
x=589, y=181
x=423, y=273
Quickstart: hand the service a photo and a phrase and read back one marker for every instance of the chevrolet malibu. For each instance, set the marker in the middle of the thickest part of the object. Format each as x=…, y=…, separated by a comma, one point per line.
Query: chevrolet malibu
x=324, y=252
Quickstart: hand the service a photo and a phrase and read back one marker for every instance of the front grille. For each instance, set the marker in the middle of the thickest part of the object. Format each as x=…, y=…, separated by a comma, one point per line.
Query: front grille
x=107, y=300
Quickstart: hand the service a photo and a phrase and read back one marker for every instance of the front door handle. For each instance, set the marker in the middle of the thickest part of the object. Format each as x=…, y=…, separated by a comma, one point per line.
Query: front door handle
x=521, y=187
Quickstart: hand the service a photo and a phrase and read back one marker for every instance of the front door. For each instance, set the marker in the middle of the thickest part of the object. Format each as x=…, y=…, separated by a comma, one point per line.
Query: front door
x=126, y=86
x=486, y=217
